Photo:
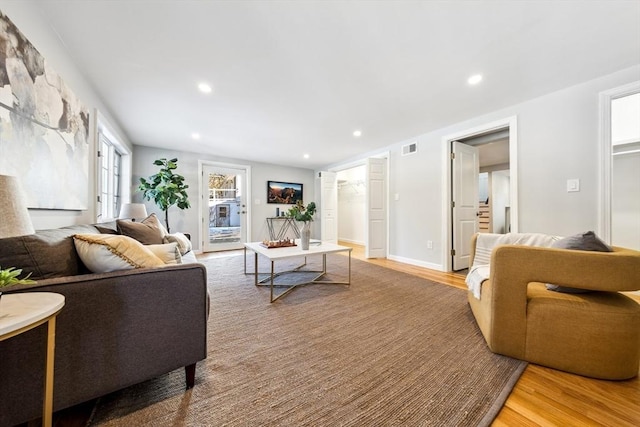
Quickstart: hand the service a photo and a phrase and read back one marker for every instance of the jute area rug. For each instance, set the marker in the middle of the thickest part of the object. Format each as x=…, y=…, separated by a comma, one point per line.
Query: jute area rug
x=391, y=349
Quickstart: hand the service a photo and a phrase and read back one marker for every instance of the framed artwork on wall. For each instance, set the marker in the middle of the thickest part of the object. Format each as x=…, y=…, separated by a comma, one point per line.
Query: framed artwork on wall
x=44, y=128
x=284, y=193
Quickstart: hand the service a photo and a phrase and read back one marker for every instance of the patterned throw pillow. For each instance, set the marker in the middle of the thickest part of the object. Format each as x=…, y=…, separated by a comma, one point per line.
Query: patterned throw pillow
x=102, y=253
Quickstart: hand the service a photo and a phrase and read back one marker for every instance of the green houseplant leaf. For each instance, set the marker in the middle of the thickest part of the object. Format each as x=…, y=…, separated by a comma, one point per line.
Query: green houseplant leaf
x=165, y=188
x=301, y=213
x=10, y=275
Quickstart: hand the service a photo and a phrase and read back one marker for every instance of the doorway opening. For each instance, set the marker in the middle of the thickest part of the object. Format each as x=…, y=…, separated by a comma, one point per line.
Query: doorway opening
x=619, y=223
x=480, y=193
x=352, y=205
x=362, y=205
x=493, y=180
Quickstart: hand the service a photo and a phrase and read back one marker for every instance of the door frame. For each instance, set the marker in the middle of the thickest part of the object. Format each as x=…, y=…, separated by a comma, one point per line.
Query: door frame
x=362, y=162
x=201, y=198
x=510, y=123
x=606, y=160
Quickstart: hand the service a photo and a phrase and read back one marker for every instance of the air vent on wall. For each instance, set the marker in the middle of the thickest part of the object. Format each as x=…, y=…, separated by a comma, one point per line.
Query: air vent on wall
x=410, y=149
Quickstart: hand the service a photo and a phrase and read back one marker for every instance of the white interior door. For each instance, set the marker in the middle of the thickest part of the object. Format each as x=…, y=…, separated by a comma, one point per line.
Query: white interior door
x=376, y=206
x=329, y=207
x=465, y=167
x=224, y=208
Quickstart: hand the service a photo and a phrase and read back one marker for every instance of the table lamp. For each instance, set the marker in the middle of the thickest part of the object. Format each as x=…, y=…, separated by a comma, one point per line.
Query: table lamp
x=132, y=211
x=14, y=216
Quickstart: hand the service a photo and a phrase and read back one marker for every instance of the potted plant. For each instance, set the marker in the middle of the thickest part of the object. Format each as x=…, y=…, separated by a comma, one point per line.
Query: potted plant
x=9, y=277
x=305, y=215
x=166, y=188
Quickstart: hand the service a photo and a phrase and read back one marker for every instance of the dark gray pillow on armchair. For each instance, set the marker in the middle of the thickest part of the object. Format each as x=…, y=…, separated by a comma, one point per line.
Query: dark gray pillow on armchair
x=587, y=241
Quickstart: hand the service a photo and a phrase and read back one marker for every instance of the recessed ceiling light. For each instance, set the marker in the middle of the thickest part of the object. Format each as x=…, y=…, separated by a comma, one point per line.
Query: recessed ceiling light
x=475, y=79
x=195, y=135
x=357, y=133
x=306, y=156
x=204, y=88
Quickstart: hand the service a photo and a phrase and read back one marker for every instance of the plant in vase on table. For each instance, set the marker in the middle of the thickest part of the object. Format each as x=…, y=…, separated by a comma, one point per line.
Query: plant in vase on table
x=305, y=215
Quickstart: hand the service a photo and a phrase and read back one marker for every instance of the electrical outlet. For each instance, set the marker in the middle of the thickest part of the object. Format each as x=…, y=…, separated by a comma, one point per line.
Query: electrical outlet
x=429, y=244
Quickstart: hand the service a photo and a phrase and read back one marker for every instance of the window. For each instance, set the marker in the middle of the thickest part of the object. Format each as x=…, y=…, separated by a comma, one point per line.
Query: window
x=109, y=179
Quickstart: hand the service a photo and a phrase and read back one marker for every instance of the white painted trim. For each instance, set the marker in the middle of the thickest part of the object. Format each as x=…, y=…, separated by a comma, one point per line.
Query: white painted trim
x=416, y=262
x=247, y=169
x=353, y=242
x=606, y=161
x=101, y=124
x=508, y=122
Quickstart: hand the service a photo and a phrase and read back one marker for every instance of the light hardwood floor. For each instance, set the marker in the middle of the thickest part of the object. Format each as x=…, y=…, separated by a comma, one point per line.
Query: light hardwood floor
x=544, y=396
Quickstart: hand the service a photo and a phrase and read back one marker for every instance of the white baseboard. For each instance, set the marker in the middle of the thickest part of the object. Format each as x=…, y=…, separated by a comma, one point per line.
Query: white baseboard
x=417, y=263
x=353, y=242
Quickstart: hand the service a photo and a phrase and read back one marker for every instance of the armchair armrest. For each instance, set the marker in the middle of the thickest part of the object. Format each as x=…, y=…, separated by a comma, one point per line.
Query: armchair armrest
x=513, y=267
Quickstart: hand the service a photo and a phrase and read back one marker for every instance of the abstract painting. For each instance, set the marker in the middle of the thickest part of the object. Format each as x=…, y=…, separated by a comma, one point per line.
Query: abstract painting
x=44, y=128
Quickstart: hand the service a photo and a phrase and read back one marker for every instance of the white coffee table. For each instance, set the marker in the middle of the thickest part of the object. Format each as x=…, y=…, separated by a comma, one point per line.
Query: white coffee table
x=21, y=312
x=316, y=247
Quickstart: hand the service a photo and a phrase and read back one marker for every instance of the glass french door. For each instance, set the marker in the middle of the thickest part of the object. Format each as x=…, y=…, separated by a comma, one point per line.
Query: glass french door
x=224, y=212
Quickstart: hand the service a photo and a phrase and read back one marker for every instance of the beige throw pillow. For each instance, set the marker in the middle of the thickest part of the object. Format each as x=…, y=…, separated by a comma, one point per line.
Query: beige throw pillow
x=149, y=231
x=169, y=253
x=183, y=242
x=102, y=253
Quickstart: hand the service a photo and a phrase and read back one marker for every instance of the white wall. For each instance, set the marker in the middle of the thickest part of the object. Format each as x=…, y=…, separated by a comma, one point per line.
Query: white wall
x=557, y=139
x=30, y=21
x=186, y=221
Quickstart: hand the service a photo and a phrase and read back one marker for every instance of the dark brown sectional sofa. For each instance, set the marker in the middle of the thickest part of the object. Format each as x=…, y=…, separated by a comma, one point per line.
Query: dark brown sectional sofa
x=115, y=330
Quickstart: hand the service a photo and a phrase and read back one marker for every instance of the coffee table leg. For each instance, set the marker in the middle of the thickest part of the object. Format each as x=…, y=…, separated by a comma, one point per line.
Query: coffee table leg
x=255, y=267
x=271, y=287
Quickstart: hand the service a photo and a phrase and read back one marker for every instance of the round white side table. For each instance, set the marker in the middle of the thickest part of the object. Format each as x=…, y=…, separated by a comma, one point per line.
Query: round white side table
x=21, y=312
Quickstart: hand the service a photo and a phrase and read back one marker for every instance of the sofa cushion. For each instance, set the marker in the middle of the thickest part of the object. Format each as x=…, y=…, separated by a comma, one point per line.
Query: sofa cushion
x=149, y=231
x=102, y=253
x=183, y=242
x=587, y=241
x=169, y=253
x=45, y=254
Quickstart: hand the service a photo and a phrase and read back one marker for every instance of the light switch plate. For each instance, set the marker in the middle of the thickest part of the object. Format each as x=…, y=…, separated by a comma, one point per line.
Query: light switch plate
x=573, y=185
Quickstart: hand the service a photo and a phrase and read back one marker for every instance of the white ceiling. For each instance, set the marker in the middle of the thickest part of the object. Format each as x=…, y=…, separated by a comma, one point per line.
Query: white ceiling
x=291, y=78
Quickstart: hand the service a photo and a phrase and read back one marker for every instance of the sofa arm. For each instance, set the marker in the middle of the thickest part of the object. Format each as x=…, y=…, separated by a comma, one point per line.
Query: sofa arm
x=599, y=271
x=513, y=267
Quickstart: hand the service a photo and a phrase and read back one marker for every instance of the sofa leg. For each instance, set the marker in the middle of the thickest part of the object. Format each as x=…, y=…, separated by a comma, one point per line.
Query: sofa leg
x=190, y=373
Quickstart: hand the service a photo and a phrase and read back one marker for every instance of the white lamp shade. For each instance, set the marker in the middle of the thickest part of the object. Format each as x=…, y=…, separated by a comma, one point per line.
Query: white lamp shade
x=14, y=215
x=133, y=211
